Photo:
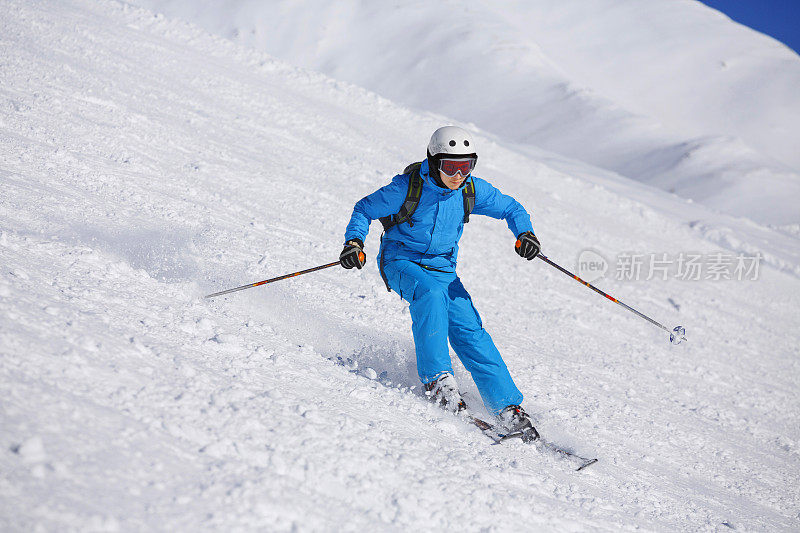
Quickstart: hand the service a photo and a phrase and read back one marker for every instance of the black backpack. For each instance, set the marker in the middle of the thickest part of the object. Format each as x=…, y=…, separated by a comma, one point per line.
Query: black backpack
x=413, y=195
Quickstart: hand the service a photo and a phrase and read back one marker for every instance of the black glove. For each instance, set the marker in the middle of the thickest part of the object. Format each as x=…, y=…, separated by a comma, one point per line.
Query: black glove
x=353, y=254
x=527, y=245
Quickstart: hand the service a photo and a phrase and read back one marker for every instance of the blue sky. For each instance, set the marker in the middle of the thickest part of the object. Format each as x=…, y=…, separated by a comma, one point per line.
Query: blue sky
x=777, y=18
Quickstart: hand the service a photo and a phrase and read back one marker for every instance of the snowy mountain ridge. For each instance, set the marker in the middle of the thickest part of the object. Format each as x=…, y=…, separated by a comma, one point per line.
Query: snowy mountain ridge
x=672, y=94
x=146, y=163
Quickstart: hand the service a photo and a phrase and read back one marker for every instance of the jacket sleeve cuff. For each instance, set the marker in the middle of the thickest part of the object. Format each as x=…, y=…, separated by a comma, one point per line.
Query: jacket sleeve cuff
x=357, y=240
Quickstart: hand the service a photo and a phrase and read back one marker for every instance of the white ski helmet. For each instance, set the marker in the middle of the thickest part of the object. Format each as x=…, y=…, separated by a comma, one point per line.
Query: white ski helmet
x=451, y=141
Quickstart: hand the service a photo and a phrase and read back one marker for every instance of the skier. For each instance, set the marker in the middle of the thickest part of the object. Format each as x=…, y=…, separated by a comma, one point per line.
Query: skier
x=423, y=212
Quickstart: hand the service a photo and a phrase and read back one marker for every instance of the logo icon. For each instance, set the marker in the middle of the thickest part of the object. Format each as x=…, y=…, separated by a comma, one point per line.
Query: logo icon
x=591, y=265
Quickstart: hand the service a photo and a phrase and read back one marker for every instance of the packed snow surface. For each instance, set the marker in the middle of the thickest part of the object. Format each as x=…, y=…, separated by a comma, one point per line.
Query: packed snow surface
x=145, y=163
x=669, y=93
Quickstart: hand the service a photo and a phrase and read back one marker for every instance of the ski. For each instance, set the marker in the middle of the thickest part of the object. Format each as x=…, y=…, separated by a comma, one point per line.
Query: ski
x=554, y=448
x=498, y=436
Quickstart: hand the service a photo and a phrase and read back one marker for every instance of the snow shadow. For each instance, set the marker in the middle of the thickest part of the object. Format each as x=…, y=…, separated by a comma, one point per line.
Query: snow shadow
x=166, y=254
x=376, y=353
x=384, y=354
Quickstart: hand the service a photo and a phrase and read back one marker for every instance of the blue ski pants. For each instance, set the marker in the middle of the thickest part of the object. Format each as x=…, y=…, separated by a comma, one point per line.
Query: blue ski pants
x=441, y=308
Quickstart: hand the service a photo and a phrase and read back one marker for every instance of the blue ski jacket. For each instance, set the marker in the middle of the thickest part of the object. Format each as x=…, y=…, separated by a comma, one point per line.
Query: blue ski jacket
x=438, y=220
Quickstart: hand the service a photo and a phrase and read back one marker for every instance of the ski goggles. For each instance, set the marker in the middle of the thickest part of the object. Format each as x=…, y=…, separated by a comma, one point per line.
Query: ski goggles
x=450, y=167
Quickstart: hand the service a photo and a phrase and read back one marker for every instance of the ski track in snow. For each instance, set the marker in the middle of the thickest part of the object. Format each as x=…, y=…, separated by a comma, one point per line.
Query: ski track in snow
x=145, y=163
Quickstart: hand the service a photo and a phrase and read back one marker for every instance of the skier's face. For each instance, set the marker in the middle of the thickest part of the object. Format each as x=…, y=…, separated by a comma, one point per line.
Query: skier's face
x=453, y=182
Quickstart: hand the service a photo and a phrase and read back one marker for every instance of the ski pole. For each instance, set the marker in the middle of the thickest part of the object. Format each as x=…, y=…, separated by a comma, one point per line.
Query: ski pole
x=243, y=287
x=675, y=336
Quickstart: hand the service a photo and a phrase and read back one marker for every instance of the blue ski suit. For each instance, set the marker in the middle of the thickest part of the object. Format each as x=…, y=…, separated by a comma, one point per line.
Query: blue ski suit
x=419, y=263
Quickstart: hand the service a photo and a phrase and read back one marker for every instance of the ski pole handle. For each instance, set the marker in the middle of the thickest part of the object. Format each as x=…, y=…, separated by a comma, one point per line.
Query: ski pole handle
x=279, y=278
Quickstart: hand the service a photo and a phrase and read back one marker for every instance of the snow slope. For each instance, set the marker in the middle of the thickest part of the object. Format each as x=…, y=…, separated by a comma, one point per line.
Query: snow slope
x=673, y=94
x=145, y=163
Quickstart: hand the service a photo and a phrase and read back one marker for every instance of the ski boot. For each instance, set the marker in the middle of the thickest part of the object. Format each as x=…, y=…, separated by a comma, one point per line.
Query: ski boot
x=516, y=420
x=444, y=392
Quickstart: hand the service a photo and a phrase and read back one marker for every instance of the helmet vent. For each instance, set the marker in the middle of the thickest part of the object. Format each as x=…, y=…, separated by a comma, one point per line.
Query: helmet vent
x=452, y=143
x=466, y=143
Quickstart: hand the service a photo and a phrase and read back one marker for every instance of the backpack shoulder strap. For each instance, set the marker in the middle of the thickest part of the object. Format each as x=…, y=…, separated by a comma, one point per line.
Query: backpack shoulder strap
x=469, y=199
x=410, y=203
x=413, y=167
